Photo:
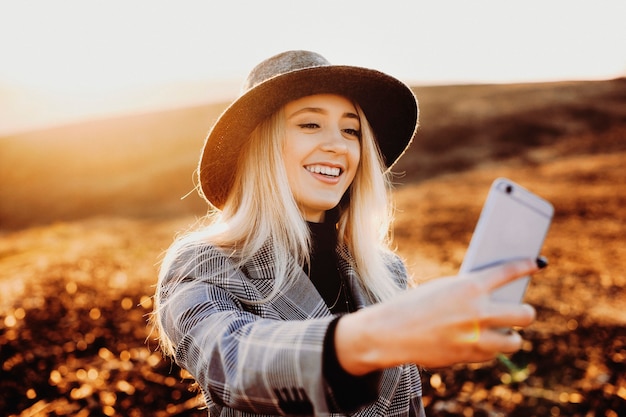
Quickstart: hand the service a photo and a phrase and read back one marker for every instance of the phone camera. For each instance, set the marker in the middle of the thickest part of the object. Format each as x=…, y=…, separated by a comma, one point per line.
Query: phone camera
x=509, y=189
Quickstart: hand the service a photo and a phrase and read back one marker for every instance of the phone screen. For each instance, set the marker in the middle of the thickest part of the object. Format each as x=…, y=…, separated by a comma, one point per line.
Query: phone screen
x=512, y=225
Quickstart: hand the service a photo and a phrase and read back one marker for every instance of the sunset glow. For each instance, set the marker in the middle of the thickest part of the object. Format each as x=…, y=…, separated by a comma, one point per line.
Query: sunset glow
x=72, y=59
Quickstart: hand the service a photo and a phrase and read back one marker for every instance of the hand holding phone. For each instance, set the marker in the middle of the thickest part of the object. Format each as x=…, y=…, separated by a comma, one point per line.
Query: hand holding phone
x=512, y=225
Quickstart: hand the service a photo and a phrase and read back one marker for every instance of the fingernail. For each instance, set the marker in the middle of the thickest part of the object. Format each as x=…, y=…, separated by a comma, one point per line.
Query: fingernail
x=542, y=262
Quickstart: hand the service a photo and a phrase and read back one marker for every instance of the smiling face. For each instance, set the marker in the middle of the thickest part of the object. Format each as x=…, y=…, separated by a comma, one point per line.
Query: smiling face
x=322, y=150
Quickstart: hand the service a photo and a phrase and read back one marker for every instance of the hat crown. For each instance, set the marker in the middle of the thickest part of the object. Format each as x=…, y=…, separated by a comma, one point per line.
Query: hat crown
x=281, y=64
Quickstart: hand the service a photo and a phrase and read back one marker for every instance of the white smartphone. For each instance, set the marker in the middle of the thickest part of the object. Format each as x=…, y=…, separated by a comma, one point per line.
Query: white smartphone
x=512, y=225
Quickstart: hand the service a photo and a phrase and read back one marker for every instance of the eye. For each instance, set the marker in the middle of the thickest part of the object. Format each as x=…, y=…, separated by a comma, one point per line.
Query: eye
x=353, y=132
x=309, y=125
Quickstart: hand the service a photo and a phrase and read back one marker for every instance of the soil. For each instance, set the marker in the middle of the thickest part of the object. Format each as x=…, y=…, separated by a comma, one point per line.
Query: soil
x=77, y=275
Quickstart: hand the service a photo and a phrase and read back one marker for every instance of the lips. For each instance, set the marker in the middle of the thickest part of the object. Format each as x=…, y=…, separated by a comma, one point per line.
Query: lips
x=324, y=170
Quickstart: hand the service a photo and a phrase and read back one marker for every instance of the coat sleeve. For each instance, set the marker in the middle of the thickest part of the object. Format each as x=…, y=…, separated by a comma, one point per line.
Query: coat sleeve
x=243, y=358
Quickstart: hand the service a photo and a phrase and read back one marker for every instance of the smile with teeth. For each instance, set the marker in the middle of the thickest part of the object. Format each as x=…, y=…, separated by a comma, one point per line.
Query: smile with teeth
x=324, y=170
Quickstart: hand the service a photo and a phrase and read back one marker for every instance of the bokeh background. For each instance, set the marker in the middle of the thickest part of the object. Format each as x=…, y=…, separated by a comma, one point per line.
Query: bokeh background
x=103, y=111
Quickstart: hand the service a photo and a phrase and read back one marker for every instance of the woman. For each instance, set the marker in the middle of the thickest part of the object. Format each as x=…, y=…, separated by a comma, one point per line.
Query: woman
x=289, y=301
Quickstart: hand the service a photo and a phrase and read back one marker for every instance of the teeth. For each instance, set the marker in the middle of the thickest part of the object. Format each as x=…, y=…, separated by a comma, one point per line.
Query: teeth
x=321, y=169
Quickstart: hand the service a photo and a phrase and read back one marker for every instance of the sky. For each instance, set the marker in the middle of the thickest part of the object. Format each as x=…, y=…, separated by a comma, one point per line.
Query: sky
x=63, y=61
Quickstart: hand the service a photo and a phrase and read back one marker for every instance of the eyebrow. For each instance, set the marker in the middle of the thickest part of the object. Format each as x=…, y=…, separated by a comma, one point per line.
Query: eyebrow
x=319, y=110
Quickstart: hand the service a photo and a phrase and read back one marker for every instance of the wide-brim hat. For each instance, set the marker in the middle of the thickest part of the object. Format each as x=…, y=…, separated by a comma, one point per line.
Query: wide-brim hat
x=389, y=105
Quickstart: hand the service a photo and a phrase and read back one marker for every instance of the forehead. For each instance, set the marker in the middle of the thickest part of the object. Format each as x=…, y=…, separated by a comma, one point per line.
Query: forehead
x=322, y=103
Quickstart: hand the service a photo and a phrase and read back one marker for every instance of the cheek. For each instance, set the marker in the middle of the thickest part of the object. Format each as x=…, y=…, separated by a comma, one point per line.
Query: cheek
x=355, y=154
x=293, y=164
x=293, y=150
x=290, y=155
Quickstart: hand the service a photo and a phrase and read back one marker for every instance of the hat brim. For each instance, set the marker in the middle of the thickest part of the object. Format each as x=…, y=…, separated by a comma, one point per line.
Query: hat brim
x=389, y=105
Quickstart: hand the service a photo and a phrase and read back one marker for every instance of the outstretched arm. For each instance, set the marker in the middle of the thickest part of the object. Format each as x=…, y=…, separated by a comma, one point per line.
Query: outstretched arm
x=439, y=323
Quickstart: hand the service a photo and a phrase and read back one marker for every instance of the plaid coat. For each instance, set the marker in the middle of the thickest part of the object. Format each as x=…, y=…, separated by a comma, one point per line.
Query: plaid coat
x=266, y=359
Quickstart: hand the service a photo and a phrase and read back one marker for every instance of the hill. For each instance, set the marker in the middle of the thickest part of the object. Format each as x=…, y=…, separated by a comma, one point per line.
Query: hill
x=138, y=165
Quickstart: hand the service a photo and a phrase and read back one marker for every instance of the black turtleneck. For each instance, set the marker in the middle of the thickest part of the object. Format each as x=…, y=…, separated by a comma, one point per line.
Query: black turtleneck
x=323, y=270
x=348, y=391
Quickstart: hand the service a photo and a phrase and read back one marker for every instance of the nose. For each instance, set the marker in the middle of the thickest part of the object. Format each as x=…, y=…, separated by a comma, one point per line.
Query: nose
x=335, y=142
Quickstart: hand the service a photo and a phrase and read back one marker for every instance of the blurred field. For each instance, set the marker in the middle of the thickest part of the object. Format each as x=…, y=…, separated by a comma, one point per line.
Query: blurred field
x=86, y=211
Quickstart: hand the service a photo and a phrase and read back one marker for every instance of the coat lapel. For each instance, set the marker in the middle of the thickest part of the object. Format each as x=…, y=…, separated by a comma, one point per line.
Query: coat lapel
x=349, y=274
x=298, y=301
x=301, y=300
x=305, y=296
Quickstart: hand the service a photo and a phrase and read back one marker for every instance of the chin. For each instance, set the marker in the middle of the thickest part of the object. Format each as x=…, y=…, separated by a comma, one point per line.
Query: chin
x=329, y=205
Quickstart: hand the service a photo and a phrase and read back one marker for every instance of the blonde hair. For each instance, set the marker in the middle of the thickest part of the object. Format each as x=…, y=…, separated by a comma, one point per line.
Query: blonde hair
x=261, y=210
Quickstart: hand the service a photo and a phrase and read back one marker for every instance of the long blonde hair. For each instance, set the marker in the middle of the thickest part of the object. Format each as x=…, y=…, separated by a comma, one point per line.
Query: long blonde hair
x=261, y=210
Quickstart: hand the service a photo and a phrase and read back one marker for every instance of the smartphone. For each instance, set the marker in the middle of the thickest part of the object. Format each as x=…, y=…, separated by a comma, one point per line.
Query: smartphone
x=512, y=225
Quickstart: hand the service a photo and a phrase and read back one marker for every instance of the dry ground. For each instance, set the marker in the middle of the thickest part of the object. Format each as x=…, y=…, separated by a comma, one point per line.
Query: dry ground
x=87, y=210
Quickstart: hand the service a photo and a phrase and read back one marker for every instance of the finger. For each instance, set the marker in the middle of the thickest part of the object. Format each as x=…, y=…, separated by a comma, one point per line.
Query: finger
x=472, y=334
x=506, y=315
x=499, y=275
x=485, y=343
x=494, y=340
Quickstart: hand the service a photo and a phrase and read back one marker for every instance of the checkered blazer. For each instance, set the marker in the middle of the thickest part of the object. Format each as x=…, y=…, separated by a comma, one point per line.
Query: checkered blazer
x=266, y=359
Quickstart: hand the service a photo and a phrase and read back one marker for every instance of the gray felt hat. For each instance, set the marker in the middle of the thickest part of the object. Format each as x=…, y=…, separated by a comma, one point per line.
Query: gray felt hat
x=389, y=105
